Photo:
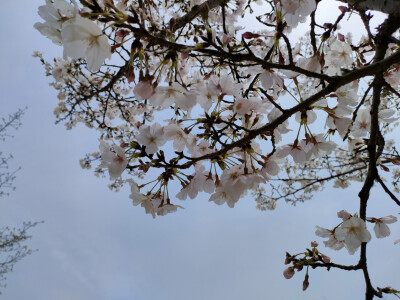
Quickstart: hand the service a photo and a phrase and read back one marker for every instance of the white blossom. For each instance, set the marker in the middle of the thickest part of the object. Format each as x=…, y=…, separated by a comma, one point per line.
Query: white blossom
x=82, y=38
x=353, y=232
x=152, y=137
x=381, y=229
x=115, y=161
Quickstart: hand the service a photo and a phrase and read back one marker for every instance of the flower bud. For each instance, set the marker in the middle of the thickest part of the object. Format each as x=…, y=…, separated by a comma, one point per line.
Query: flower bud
x=326, y=259
x=288, y=273
x=249, y=35
x=204, y=10
x=306, y=283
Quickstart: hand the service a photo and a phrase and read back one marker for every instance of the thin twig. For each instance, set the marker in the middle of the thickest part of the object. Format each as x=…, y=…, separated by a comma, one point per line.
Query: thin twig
x=387, y=190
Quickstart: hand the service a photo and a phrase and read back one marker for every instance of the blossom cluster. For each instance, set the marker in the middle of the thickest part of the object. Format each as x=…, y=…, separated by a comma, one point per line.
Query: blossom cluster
x=210, y=109
x=182, y=92
x=80, y=37
x=352, y=231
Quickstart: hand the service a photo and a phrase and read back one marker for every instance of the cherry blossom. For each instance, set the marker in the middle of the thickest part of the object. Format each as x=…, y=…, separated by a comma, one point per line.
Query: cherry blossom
x=344, y=215
x=296, y=150
x=361, y=126
x=54, y=13
x=115, y=161
x=324, y=99
x=165, y=96
x=84, y=39
x=200, y=181
x=353, y=232
x=152, y=137
x=333, y=241
x=381, y=229
x=143, y=90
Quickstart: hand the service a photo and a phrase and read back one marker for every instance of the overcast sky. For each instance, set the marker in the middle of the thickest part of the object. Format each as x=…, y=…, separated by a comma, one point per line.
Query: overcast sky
x=95, y=245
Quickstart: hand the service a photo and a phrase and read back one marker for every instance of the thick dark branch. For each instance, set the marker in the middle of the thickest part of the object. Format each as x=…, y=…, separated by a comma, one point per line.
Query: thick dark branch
x=391, y=24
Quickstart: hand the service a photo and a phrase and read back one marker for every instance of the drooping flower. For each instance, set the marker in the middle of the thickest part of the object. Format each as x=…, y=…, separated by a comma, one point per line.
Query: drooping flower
x=381, y=229
x=332, y=242
x=308, y=117
x=295, y=150
x=341, y=124
x=270, y=168
x=222, y=195
x=82, y=38
x=201, y=181
x=115, y=161
x=143, y=90
x=165, y=96
x=317, y=146
x=167, y=209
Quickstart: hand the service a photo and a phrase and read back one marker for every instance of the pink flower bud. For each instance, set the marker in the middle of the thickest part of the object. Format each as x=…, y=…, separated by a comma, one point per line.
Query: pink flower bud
x=341, y=37
x=344, y=215
x=326, y=259
x=314, y=244
x=288, y=273
x=122, y=33
x=249, y=35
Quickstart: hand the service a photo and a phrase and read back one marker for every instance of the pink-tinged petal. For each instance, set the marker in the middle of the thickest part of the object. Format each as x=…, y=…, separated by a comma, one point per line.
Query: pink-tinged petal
x=342, y=125
x=147, y=204
x=322, y=232
x=52, y=33
x=352, y=243
x=311, y=116
x=364, y=235
x=299, y=156
x=283, y=152
x=75, y=50
x=341, y=233
x=218, y=197
x=209, y=186
x=388, y=219
x=272, y=168
x=334, y=244
x=143, y=90
x=344, y=215
x=381, y=230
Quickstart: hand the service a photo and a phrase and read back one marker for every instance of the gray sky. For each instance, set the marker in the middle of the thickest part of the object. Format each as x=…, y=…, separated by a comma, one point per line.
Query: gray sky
x=95, y=245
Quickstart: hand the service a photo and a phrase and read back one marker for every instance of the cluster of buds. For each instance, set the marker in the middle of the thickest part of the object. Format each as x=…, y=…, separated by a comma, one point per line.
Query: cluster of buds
x=310, y=258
